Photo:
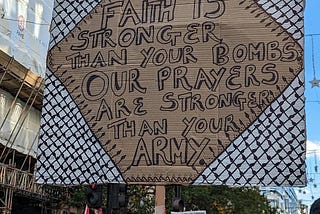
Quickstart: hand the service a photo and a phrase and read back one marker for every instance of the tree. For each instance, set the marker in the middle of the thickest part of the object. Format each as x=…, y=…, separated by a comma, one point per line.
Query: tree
x=222, y=199
x=213, y=199
x=140, y=199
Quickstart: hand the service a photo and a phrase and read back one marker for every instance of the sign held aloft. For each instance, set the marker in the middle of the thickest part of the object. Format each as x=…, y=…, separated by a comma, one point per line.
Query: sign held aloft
x=174, y=92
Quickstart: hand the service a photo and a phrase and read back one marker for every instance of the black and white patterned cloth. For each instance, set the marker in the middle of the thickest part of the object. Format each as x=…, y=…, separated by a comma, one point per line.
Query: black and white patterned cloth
x=70, y=154
x=274, y=162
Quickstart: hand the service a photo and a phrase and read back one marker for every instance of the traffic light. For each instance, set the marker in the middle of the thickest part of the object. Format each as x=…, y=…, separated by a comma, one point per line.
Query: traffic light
x=177, y=204
x=94, y=196
x=315, y=207
x=117, y=196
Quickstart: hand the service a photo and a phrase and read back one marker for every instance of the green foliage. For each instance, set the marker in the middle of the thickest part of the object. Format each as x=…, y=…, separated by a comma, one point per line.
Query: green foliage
x=140, y=200
x=222, y=200
x=213, y=199
x=77, y=196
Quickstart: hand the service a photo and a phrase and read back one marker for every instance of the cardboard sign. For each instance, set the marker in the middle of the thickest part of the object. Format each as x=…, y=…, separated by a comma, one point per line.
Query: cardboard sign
x=174, y=92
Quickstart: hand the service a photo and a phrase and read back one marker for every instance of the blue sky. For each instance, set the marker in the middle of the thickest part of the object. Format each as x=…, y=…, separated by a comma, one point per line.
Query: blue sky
x=312, y=69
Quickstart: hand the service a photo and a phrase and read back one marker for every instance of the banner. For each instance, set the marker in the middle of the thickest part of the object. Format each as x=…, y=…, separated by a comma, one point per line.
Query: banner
x=19, y=125
x=174, y=92
x=24, y=32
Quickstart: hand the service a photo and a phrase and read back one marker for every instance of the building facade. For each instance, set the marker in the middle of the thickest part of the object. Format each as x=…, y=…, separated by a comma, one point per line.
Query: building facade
x=282, y=198
x=24, y=34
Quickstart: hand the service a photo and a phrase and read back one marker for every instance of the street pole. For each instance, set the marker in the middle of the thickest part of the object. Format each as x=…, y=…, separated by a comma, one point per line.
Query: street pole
x=160, y=200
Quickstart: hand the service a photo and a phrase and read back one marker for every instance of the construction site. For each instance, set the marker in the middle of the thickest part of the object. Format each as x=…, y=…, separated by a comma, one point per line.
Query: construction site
x=20, y=100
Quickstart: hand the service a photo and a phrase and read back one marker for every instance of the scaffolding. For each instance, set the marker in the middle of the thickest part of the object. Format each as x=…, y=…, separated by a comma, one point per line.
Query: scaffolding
x=16, y=168
x=13, y=180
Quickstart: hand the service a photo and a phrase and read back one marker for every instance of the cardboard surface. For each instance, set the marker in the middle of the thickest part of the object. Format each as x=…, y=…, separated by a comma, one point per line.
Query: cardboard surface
x=167, y=86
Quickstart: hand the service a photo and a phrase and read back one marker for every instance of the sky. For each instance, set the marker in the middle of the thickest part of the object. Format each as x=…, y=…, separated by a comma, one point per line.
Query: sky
x=311, y=192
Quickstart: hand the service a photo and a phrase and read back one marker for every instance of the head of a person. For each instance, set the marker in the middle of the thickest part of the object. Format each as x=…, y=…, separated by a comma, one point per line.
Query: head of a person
x=315, y=207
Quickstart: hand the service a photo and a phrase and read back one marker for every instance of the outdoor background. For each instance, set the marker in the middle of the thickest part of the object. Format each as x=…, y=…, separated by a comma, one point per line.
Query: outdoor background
x=311, y=192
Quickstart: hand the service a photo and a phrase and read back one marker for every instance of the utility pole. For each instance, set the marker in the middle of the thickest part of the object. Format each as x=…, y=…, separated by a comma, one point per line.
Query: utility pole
x=160, y=200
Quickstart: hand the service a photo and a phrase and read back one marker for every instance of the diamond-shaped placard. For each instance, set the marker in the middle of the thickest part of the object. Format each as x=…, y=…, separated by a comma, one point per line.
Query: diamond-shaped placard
x=166, y=87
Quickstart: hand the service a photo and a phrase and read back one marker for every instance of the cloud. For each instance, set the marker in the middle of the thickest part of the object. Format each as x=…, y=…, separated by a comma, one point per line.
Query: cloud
x=313, y=148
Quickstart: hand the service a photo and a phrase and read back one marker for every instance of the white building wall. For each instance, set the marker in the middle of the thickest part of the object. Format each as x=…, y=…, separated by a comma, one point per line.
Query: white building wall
x=19, y=125
x=24, y=31
x=283, y=198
